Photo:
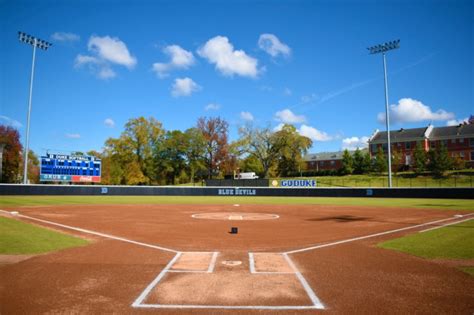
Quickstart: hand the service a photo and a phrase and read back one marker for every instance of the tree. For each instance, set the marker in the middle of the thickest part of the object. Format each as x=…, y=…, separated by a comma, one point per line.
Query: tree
x=131, y=155
x=361, y=161
x=367, y=163
x=194, y=151
x=170, y=156
x=396, y=161
x=419, y=159
x=290, y=147
x=347, y=163
x=215, y=133
x=33, y=168
x=11, y=162
x=261, y=147
x=380, y=163
x=439, y=161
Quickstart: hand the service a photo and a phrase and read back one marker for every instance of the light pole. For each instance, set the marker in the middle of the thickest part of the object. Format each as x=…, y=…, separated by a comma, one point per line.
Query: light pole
x=35, y=42
x=383, y=48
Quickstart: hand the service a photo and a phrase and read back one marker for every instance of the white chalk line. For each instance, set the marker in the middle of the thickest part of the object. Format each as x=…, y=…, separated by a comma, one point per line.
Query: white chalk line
x=212, y=265
x=117, y=238
x=150, y=287
x=316, y=302
x=366, y=236
x=444, y=225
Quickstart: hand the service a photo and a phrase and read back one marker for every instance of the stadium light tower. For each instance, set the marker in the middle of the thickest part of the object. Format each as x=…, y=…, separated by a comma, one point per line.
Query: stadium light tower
x=383, y=48
x=35, y=42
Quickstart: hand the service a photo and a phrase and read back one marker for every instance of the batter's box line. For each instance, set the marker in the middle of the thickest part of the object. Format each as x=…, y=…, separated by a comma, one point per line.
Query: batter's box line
x=253, y=270
x=138, y=303
x=210, y=269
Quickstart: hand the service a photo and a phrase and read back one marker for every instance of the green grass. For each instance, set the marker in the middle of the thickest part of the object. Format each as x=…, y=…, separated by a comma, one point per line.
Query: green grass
x=451, y=242
x=17, y=237
x=469, y=270
x=443, y=204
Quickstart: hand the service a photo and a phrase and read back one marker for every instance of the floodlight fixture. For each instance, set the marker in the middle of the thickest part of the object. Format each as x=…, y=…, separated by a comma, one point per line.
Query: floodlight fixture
x=44, y=45
x=383, y=48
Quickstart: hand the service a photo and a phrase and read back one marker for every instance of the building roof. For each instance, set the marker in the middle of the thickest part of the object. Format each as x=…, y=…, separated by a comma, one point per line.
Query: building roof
x=459, y=131
x=327, y=156
x=400, y=135
x=432, y=133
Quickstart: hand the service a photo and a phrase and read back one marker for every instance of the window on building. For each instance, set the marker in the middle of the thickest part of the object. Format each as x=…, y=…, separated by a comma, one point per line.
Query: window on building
x=333, y=163
x=433, y=144
x=407, y=145
x=472, y=155
x=461, y=140
x=445, y=143
x=471, y=142
x=461, y=154
x=453, y=141
x=384, y=147
x=373, y=148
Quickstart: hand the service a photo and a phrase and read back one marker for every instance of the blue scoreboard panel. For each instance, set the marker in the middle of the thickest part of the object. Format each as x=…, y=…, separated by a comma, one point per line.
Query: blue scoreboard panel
x=70, y=168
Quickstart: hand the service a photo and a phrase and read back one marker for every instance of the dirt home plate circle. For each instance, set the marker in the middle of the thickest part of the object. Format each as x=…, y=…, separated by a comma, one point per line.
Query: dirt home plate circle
x=240, y=216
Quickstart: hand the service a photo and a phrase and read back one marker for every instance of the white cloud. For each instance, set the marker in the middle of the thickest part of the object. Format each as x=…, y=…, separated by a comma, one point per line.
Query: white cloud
x=84, y=60
x=455, y=122
x=212, y=106
x=288, y=117
x=313, y=133
x=273, y=46
x=112, y=49
x=308, y=98
x=278, y=127
x=410, y=110
x=184, y=87
x=106, y=73
x=353, y=143
x=106, y=51
x=65, y=37
x=73, y=135
x=180, y=59
x=247, y=116
x=109, y=122
x=220, y=51
x=287, y=92
x=10, y=122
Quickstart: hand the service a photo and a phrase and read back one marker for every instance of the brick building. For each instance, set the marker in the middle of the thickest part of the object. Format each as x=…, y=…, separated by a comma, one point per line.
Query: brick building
x=324, y=161
x=459, y=141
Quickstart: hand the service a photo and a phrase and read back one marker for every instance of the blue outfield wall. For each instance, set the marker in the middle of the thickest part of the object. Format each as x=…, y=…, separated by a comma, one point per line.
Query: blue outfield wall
x=91, y=190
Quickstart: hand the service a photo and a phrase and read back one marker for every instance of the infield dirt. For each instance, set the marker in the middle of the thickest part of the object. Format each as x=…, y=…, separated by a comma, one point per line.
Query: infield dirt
x=357, y=277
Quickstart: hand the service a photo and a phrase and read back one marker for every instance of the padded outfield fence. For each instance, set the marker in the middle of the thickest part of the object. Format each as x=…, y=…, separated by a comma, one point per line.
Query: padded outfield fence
x=85, y=190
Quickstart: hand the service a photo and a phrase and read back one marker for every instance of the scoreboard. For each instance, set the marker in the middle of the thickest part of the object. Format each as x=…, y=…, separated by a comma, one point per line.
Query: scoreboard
x=70, y=168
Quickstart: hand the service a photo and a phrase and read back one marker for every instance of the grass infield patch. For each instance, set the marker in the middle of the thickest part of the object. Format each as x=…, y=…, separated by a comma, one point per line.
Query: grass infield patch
x=17, y=237
x=451, y=242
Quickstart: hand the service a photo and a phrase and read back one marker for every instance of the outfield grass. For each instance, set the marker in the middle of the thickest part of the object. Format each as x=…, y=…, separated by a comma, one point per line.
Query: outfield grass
x=451, y=242
x=444, y=204
x=17, y=237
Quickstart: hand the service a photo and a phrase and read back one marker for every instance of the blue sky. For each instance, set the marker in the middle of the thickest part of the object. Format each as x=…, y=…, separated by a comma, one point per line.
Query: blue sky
x=259, y=62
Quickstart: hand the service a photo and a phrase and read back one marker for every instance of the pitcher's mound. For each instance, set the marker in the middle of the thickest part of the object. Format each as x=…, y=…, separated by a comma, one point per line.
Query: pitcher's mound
x=235, y=216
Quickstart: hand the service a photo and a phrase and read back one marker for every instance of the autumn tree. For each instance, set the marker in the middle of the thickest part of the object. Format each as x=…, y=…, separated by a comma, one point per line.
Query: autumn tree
x=215, y=133
x=291, y=146
x=261, y=146
x=131, y=155
x=11, y=161
x=439, y=161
